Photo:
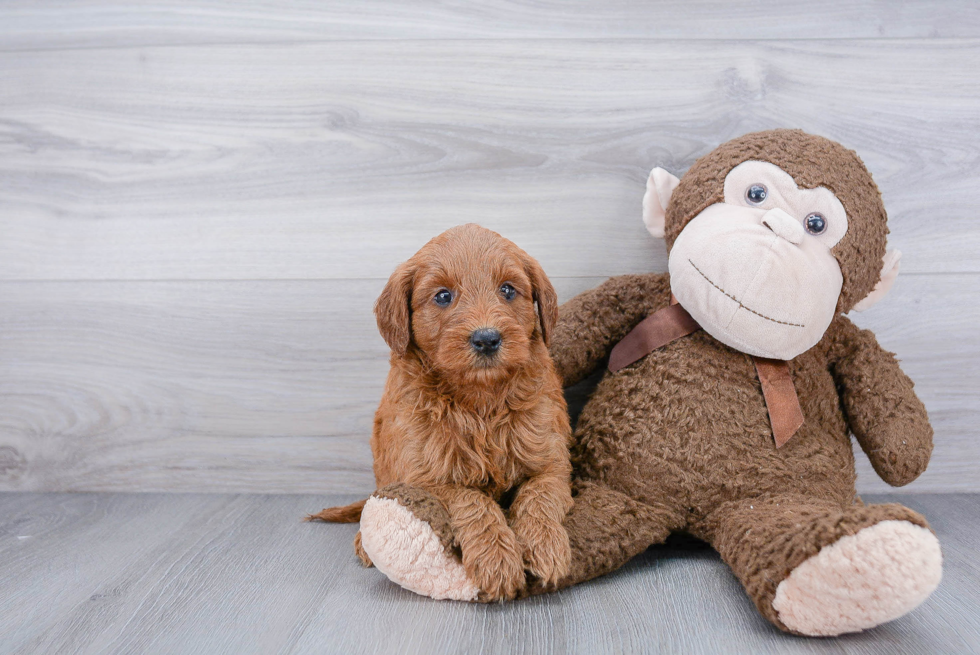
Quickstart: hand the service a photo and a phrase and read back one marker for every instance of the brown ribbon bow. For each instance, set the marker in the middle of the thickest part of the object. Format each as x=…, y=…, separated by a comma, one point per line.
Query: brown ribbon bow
x=672, y=323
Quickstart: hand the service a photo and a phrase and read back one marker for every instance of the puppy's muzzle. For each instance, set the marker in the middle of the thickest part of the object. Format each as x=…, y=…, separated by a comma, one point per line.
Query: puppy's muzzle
x=485, y=341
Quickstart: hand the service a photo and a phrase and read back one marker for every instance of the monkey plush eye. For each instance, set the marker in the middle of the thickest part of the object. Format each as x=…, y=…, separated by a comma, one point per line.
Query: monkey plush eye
x=508, y=292
x=756, y=194
x=444, y=297
x=815, y=223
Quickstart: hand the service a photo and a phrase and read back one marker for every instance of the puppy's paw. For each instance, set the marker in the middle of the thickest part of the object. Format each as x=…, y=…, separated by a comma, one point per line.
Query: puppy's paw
x=497, y=567
x=500, y=578
x=547, y=553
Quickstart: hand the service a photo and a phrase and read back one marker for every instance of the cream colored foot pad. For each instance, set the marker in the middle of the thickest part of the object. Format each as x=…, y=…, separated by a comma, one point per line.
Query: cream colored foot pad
x=409, y=552
x=862, y=580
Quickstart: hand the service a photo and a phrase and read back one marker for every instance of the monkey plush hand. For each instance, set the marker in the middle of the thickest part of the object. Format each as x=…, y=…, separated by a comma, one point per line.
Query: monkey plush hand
x=772, y=237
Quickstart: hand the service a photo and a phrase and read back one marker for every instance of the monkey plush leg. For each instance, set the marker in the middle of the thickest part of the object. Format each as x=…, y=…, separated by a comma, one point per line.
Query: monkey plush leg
x=606, y=529
x=359, y=550
x=815, y=567
x=405, y=532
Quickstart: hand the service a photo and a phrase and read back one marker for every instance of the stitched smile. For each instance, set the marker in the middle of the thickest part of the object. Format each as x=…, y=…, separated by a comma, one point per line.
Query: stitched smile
x=749, y=309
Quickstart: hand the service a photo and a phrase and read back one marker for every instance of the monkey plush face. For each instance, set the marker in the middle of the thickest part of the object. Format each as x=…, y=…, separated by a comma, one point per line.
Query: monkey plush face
x=772, y=243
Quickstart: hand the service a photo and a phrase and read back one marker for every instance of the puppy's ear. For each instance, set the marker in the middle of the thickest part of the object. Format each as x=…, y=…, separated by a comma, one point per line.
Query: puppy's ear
x=393, y=309
x=544, y=296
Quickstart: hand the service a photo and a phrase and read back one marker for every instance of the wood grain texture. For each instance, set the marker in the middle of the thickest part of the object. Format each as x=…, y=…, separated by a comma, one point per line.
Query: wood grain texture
x=199, y=201
x=295, y=160
x=123, y=573
x=31, y=25
x=272, y=386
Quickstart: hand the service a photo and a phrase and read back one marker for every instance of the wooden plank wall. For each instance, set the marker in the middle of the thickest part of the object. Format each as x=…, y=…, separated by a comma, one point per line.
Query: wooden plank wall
x=199, y=202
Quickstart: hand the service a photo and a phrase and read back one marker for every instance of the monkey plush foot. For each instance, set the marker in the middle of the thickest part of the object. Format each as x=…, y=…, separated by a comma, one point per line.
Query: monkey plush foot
x=861, y=580
x=405, y=533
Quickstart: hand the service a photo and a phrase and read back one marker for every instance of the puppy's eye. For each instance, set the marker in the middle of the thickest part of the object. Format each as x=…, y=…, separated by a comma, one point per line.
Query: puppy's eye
x=508, y=292
x=756, y=194
x=815, y=223
x=444, y=297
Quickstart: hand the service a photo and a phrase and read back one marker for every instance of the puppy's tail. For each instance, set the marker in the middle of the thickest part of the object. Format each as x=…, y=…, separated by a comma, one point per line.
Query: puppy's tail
x=346, y=514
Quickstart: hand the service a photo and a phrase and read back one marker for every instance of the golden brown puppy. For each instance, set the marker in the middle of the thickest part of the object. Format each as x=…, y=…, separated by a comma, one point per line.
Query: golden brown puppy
x=473, y=411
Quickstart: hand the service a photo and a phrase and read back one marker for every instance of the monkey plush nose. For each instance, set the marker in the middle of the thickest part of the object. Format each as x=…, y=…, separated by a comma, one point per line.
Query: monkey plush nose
x=784, y=225
x=485, y=341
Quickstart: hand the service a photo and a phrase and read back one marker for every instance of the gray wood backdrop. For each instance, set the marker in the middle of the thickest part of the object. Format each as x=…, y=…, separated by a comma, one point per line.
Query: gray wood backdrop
x=200, y=201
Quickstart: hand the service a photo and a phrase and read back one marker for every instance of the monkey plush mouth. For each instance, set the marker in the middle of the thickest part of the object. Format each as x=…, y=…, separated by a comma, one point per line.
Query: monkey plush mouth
x=740, y=304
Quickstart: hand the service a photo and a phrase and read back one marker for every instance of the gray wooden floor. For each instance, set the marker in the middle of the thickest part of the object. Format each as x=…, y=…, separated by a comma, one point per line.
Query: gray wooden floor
x=172, y=573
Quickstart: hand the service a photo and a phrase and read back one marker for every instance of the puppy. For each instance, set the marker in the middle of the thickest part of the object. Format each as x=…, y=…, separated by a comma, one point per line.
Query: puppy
x=473, y=410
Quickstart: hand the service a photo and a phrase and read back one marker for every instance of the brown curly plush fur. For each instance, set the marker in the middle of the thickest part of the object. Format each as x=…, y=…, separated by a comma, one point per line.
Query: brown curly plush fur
x=469, y=433
x=681, y=439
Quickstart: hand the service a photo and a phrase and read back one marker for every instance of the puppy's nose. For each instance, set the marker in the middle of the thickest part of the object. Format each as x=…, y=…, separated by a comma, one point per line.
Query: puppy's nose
x=485, y=341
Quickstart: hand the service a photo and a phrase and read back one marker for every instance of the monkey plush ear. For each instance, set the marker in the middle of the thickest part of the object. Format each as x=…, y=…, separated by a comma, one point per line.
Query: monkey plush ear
x=889, y=271
x=660, y=186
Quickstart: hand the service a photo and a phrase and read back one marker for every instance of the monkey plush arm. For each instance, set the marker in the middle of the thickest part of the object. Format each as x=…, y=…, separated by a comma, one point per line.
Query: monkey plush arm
x=885, y=415
x=591, y=323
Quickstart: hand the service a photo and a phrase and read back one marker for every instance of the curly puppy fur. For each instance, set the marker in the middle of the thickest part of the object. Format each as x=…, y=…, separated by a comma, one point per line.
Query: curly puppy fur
x=488, y=437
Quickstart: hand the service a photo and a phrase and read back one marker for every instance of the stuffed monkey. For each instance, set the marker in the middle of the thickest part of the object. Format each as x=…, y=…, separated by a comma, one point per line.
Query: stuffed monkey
x=728, y=413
